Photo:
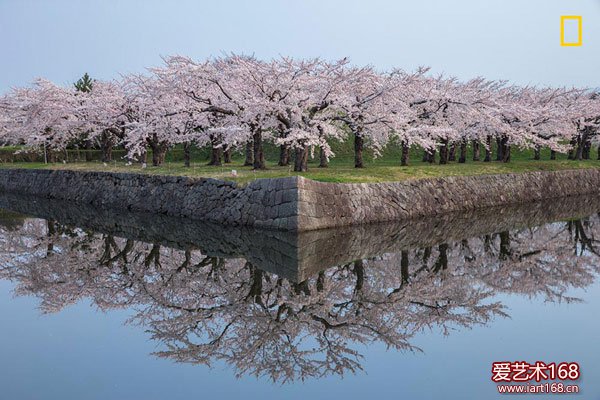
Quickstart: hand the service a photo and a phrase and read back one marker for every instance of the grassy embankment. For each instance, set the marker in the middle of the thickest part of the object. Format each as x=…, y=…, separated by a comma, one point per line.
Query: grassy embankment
x=384, y=169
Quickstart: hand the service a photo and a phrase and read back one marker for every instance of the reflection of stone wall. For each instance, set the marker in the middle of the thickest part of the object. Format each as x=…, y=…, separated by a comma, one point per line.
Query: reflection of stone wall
x=296, y=203
x=298, y=255
x=319, y=249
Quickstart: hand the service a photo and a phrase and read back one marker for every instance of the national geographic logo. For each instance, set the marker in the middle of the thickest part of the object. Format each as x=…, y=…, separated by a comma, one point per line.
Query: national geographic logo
x=571, y=30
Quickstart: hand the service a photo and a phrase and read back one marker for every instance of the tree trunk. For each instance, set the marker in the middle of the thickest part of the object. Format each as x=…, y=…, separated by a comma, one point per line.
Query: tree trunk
x=580, y=144
x=144, y=156
x=106, y=146
x=358, y=151
x=499, y=149
x=256, y=288
x=505, y=250
x=305, y=159
x=298, y=156
x=301, y=159
x=186, y=154
x=359, y=272
x=321, y=281
x=571, y=155
x=506, y=152
x=159, y=151
x=505, y=149
x=476, y=150
x=444, y=152
x=587, y=146
x=323, y=161
x=463, y=152
x=404, y=275
x=88, y=151
x=106, y=152
x=442, y=261
x=259, y=155
x=249, y=154
x=431, y=156
x=405, y=153
x=216, y=156
x=227, y=156
x=452, y=153
x=155, y=156
x=488, y=149
x=426, y=256
x=536, y=153
x=583, y=146
x=579, y=153
x=552, y=155
x=284, y=155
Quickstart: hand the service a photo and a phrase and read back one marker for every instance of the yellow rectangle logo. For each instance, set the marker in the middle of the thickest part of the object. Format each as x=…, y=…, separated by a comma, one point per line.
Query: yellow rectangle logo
x=565, y=18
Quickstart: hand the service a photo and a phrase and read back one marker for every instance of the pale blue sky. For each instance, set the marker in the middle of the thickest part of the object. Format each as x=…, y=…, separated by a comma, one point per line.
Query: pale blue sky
x=516, y=40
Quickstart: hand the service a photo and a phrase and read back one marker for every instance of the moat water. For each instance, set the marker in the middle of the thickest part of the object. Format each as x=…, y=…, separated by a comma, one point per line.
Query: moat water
x=97, y=304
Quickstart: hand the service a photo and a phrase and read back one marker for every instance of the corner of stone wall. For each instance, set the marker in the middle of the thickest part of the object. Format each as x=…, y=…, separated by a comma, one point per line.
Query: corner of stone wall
x=295, y=202
x=274, y=203
x=313, y=197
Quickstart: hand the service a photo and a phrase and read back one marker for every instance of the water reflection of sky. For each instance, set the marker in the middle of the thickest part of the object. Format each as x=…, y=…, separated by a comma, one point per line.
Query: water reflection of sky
x=83, y=353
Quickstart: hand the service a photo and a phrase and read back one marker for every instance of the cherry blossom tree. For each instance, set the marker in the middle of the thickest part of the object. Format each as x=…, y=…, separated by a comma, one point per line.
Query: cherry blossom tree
x=370, y=109
x=217, y=89
x=160, y=118
x=236, y=103
x=103, y=115
x=306, y=110
x=43, y=116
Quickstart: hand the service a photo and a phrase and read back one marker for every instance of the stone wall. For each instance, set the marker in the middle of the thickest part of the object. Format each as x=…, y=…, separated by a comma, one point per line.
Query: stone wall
x=295, y=203
x=265, y=203
x=326, y=205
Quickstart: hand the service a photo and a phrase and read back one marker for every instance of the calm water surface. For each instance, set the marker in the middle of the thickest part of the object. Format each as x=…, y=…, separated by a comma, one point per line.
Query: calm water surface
x=103, y=305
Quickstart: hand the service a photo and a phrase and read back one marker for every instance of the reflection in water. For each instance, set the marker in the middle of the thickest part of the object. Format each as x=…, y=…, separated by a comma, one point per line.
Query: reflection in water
x=293, y=306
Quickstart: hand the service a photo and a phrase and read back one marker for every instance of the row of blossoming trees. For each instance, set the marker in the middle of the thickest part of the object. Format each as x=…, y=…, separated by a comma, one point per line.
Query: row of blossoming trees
x=236, y=103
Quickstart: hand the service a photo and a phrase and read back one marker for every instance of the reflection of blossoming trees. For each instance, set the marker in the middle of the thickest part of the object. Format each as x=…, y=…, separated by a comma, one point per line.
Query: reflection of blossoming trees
x=542, y=261
x=203, y=309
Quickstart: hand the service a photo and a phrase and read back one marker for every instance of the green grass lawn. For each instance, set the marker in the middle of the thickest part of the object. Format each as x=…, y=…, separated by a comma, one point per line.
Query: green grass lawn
x=385, y=168
x=341, y=169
